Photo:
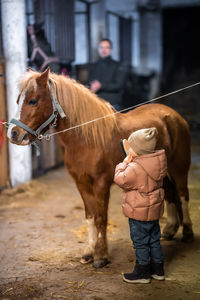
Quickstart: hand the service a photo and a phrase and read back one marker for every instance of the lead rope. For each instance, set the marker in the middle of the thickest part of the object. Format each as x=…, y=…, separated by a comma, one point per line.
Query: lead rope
x=48, y=136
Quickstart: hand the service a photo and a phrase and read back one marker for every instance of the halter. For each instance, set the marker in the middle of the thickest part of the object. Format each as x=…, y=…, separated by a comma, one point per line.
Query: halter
x=57, y=109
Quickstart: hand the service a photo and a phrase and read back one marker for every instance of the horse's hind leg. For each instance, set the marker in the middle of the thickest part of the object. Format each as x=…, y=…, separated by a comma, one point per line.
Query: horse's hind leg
x=183, y=192
x=188, y=235
x=180, y=177
x=173, y=214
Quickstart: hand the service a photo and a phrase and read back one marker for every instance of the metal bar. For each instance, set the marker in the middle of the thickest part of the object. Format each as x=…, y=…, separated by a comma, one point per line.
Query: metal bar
x=88, y=32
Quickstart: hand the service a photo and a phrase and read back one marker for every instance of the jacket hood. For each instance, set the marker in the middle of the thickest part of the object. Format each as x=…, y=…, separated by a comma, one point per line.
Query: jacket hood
x=154, y=164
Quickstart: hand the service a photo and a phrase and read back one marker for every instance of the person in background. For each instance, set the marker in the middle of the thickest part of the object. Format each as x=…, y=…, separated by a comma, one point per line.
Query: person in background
x=106, y=77
x=141, y=175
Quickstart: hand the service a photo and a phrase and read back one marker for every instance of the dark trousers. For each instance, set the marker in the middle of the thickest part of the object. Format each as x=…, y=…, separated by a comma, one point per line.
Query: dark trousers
x=145, y=236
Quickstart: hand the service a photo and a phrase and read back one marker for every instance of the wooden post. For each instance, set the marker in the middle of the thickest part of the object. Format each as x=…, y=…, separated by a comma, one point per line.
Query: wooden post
x=13, y=17
x=4, y=179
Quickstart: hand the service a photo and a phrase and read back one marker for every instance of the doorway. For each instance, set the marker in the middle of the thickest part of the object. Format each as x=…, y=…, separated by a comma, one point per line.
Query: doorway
x=181, y=60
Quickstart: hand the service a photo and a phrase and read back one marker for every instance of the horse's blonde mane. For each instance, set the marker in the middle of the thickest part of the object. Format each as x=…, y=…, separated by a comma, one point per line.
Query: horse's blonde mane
x=80, y=105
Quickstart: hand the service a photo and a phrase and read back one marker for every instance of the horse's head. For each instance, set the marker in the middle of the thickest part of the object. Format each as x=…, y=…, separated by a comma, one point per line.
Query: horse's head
x=34, y=109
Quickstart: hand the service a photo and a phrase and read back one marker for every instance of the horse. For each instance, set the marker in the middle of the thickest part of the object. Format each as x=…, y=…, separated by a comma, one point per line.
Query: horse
x=92, y=150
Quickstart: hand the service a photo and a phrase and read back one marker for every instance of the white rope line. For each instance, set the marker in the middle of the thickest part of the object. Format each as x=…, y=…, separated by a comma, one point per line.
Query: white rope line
x=117, y=112
x=47, y=136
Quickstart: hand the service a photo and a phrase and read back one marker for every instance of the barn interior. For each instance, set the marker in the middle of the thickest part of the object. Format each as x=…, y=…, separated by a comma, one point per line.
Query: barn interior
x=42, y=226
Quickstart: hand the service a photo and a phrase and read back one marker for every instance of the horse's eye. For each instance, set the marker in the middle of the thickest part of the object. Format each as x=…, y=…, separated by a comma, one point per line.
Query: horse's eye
x=33, y=102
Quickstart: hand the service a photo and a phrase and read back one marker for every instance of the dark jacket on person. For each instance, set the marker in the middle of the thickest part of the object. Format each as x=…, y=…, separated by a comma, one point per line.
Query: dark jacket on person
x=112, y=78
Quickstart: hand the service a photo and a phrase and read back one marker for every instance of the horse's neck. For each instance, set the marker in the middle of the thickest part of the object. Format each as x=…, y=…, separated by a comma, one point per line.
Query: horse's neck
x=67, y=135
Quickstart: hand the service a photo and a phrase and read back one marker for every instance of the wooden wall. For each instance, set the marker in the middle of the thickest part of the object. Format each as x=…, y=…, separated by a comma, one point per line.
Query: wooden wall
x=4, y=178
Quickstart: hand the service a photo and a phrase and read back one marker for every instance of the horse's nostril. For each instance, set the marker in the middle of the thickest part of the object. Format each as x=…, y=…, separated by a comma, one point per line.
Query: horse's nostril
x=14, y=135
x=25, y=137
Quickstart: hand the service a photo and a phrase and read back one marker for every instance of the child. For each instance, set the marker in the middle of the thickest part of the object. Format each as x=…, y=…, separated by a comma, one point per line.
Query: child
x=141, y=177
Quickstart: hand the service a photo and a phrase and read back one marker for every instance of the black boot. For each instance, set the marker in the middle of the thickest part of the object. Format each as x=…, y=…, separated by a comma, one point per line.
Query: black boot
x=157, y=270
x=141, y=274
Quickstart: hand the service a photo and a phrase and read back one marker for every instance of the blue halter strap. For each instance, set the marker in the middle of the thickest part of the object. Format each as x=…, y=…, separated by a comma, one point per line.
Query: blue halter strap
x=57, y=109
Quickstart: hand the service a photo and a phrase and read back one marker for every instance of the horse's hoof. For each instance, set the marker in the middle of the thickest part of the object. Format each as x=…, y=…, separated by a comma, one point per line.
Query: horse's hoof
x=100, y=263
x=169, y=231
x=188, y=238
x=188, y=235
x=86, y=259
x=167, y=237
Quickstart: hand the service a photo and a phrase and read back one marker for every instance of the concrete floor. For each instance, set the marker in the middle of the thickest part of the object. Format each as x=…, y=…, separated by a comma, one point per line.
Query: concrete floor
x=43, y=234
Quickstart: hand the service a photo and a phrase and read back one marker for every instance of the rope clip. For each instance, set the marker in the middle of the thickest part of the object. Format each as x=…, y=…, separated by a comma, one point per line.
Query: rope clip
x=47, y=137
x=6, y=124
x=41, y=136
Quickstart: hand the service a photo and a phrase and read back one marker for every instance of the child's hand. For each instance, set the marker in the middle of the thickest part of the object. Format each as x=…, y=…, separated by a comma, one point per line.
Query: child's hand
x=130, y=157
x=126, y=146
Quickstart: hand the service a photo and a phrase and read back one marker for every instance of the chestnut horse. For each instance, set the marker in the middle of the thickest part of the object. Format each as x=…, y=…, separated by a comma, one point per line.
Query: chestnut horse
x=92, y=151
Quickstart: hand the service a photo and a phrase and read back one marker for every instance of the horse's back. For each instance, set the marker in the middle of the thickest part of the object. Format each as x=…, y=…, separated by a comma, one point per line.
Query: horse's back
x=161, y=111
x=173, y=130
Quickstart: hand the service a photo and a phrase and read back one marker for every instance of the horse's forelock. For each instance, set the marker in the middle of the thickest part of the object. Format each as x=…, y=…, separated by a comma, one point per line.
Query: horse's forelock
x=28, y=81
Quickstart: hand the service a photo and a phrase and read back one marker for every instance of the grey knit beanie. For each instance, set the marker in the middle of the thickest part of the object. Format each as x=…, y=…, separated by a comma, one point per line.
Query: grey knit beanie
x=143, y=141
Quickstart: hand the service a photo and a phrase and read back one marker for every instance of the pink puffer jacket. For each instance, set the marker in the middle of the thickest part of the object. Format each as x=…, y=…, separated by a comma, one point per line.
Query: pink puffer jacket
x=142, y=180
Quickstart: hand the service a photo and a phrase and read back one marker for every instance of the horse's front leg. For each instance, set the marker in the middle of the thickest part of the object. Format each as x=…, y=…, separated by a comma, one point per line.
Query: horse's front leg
x=88, y=254
x=95, y=196
x=101, y=249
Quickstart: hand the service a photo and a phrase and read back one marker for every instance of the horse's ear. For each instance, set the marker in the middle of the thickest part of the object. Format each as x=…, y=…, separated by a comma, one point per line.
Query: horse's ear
x=44, y=78
x=30, y=69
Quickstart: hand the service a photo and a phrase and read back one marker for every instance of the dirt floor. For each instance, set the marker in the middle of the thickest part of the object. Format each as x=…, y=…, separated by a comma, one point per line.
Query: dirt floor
x=43, y=233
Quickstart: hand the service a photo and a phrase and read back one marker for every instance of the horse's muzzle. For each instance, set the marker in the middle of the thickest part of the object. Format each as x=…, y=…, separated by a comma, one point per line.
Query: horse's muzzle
x=19, y=136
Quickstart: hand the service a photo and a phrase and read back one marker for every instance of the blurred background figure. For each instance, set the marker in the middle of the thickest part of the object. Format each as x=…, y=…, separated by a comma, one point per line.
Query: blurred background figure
x=106, y=76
